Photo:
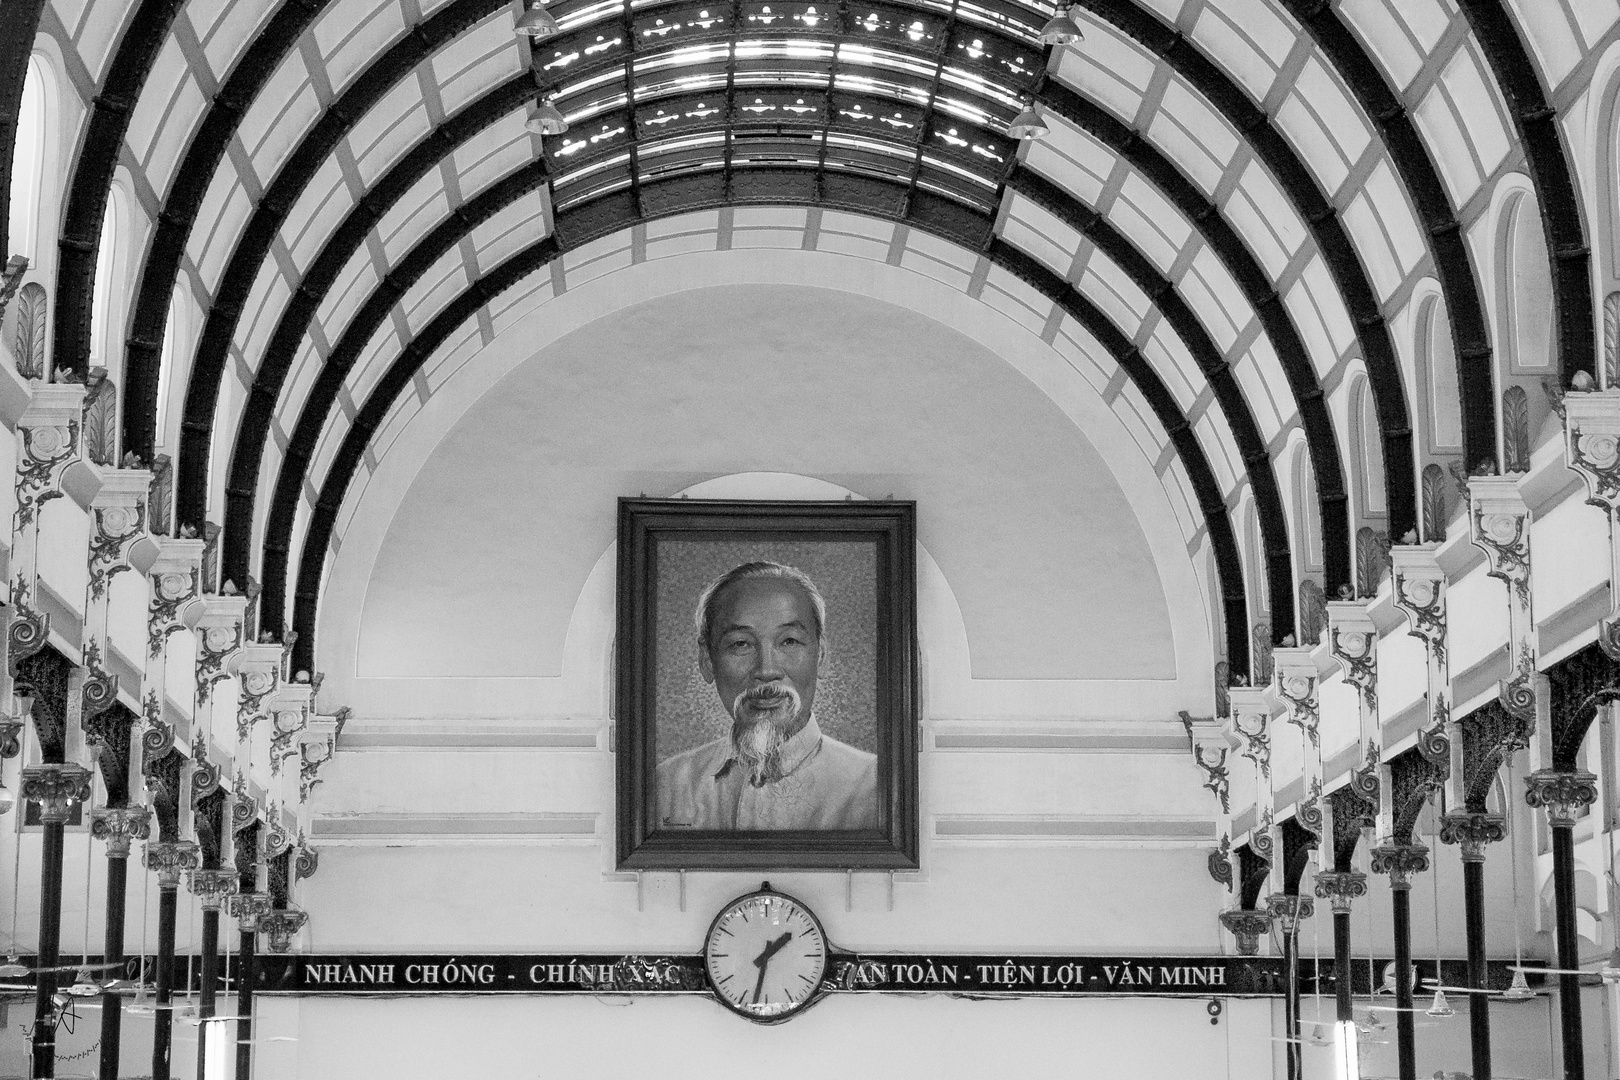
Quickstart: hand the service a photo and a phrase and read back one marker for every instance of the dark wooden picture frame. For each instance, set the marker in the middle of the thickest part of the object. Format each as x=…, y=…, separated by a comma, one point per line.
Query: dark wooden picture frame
x=881, y=534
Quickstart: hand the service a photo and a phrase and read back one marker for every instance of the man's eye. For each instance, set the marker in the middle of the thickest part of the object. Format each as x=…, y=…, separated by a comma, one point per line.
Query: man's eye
x=737, y=646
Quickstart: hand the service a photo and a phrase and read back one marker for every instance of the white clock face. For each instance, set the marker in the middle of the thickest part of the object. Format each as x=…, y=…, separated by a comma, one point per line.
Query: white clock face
x=766, y=955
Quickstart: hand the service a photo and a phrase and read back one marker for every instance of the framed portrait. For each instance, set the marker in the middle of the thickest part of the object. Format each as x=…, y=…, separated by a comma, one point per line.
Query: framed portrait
x=766, y=697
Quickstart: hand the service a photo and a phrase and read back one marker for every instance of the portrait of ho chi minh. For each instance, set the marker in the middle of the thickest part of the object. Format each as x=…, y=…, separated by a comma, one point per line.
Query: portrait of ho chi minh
x=761, y=641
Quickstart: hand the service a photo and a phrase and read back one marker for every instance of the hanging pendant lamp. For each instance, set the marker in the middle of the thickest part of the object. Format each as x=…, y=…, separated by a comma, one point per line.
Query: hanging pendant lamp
x=1027, y=125
x=537, y=23
x=1061, y=29
x=546, y=119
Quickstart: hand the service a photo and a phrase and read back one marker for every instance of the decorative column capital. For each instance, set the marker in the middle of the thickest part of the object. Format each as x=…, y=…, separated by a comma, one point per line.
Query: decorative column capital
x=1247, y=927
x=1289, y=910
x=213, y=886
x=280, y=924
x=118, y=825
x=247, y=908
x=55, y=788
x=1341, y=888
x=1400, y=862
x=170, y=859
x=1473, y=832
x=1561, y=794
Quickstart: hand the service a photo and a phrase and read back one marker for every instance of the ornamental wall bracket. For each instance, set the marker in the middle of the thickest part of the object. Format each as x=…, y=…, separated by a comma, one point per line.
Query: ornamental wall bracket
x=316, y=745
x=1220, y=862
x=1563, y=794
x=170, y=859
x=11, y=728
x=244, y=807
x=276, y=840
x=30, y=628
x=118, y=523
x=1353, y=641
x=1400, y=861
x=289, y=718
x=50, y=433
x=1420, y=592
x=219, y=636
x=306, y=859
x=212, y=886
x=1592, y=448
x=54, y=788
x=158, y=737
x=1209, y=752
x=1501, y=529
x=280, y=925
x=99, y=690
x=1341, y=888
x=206, y=777
x=1472, y=832
x=1288, y=910
x=1248, y=727
x=1248, y=927
x=1296, y=680
x=174, y=589
x=117, y=826
x=258, y=670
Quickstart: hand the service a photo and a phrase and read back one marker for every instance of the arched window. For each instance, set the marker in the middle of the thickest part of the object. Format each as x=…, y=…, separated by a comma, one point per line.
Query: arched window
x=1526, y=291
x=28, y=167
x=103, y=308
x=1439, y=356
x=1307, y=513
x=174, y=326
x=1369, y=447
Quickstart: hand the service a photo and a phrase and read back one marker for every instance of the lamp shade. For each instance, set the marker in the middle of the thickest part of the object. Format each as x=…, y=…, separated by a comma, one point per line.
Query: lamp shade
x=1027, y=124
x=1061, y=29
x=536, y=23
x=546, y=119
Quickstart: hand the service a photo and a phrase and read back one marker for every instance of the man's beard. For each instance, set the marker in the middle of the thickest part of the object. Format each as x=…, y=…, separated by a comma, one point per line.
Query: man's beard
x=761, y=719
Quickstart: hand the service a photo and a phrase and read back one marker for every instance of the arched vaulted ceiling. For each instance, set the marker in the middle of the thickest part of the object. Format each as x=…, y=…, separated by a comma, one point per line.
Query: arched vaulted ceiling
x=1234, y=201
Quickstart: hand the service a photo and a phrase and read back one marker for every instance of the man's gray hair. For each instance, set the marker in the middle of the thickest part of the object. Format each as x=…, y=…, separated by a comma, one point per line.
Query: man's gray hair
x=703, y=617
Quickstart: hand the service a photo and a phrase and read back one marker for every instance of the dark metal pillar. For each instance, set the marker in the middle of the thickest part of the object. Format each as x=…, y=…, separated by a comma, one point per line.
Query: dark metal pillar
x=1400, y=862
x=1473, y=830
x=210, y=974
x=1564, y=794
x=247, y=972
x=54, y=788
x=118, y=826
x=171, y=859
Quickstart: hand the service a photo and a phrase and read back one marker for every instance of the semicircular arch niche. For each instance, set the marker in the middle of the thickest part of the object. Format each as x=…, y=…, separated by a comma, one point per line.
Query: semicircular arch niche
x=482, y=564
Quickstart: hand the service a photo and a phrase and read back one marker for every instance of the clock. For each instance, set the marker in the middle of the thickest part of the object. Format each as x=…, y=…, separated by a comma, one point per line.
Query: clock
x=765, y=955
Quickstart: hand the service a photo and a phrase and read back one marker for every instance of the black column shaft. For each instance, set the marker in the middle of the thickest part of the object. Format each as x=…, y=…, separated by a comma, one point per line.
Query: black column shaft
x=210, y=973
x=163, y=1027
x=244, y=1005
x=1479, y=1013
x=1291, y=1007
x=1569, y=953
x=112, y=1005
x=50, y=941
x=1405, y=1027
x=1341, y=966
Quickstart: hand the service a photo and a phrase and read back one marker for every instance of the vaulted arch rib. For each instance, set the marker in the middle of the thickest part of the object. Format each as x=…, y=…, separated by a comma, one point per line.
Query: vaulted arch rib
x=155, y=284
x=282, y=348
x=91, y=182
x=288, y=334
x=1410, y=155
x=1561, y=211
x=19, y=21
x=1262, y=295
x=208, y=362
x=615, y=211
x=1270, y=146
x=795, y=185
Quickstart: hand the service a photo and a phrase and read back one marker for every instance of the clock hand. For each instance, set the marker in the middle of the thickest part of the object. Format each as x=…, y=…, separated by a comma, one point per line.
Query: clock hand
x=763, y=960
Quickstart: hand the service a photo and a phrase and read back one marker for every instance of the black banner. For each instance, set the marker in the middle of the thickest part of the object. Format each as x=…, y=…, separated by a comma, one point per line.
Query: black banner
x=972, y=975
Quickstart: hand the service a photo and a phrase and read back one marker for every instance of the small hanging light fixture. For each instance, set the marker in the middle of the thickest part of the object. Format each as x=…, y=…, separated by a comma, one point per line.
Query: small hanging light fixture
x=1027, y=125
x=1440, y=1006
x=537, y=23
x=546, y=119
x=1061, y=29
